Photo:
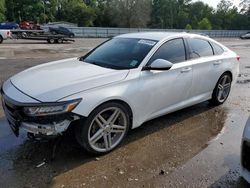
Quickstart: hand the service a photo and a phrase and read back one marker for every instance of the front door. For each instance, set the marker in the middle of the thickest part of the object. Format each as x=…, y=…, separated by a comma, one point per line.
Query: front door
x=164, y=90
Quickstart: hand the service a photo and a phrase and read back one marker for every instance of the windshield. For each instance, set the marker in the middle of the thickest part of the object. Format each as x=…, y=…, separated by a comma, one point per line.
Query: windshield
x=120, y=53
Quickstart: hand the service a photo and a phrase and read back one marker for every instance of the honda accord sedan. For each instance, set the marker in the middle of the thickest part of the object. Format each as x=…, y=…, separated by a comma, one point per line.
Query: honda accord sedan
x=119, y=85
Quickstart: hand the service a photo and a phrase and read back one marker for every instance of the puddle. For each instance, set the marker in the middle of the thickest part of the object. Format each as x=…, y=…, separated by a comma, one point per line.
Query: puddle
x=160, y=145
x=7, y=139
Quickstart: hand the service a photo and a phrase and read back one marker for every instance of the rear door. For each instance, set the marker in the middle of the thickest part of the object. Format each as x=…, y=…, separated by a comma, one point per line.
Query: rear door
x=201, y=55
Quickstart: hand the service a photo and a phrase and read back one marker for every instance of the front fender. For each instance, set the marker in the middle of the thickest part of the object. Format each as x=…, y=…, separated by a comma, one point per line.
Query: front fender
x=93, y=98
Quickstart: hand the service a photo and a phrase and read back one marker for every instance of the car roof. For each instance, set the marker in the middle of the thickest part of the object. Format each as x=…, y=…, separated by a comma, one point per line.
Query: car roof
x=151, y=35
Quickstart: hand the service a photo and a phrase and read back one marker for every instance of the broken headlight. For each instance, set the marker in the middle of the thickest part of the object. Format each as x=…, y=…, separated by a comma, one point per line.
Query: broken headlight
x=51, y=109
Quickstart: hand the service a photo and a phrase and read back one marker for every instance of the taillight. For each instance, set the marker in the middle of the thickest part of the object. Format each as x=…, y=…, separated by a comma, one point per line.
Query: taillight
x=238, y=58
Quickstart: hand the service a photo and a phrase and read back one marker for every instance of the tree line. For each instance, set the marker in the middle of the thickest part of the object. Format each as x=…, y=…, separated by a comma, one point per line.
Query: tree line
x=170, y=14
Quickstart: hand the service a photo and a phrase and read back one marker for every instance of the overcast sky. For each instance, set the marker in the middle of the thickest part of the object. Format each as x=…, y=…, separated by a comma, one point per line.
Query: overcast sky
x=214, y=3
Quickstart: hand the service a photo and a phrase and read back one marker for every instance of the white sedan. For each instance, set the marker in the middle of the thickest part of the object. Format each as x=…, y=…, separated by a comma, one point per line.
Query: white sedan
x=119, y=85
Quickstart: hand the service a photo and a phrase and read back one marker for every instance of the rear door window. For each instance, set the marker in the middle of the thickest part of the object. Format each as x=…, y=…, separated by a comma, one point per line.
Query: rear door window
x=199, y=48
x=217, y=49
x=173, y=51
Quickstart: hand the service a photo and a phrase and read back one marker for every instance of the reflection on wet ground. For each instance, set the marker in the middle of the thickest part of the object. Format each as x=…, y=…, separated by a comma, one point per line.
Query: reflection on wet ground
x=158, y=146
x=8, y=140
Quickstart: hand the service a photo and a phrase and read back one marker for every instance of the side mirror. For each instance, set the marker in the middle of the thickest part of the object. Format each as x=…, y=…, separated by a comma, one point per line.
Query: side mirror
x=159, y=64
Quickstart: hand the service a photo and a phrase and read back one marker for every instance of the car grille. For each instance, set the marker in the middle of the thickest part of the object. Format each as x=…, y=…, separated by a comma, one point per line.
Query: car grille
x=12, y=114
x=245, y=155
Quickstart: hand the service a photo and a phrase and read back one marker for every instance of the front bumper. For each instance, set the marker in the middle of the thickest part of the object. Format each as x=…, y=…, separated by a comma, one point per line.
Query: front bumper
x=51, y=125
x=46, y=129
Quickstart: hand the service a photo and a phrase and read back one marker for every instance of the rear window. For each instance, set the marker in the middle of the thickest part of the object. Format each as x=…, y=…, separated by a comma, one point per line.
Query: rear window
x=217, y=49
x=199, y=48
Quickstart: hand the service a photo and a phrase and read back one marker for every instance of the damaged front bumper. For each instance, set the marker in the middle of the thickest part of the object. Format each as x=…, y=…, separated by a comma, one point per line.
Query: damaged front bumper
x=50, y=125
x=46, y=129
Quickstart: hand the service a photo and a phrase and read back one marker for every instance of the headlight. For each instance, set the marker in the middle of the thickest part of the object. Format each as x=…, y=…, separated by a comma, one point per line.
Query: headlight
x=51, y=109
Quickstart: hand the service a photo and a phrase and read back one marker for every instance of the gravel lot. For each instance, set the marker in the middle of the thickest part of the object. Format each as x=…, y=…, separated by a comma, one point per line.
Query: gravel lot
x=195, y=147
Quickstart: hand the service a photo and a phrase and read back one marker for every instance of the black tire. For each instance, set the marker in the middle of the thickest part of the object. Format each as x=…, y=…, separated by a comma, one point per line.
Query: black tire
x=24, y=35
x=1, y=39
x=71, y=36
x=60, y=41
x=82, y=130
x=215, y=98
x=52, y=41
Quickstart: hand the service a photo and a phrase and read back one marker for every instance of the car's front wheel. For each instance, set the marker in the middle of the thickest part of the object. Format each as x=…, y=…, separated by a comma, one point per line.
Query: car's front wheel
x=222, y=89
x=104, y=129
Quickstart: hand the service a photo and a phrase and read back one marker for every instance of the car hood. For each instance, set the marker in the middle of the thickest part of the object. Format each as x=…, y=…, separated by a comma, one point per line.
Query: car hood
x=53, y=81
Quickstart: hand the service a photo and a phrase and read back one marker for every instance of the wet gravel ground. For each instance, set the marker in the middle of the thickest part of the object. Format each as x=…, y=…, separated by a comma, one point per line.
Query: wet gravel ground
x=195, y=147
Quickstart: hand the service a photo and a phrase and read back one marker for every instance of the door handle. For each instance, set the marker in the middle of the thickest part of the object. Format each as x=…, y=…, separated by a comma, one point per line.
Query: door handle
x=186, y=69
x=218, y=62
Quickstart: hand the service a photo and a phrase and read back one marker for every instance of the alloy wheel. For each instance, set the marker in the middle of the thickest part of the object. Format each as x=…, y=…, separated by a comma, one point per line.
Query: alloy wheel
x=107, y=129
x=223, y=88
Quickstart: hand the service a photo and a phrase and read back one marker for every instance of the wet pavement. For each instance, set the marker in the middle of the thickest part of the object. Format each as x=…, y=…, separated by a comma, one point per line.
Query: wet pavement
x=195, y=147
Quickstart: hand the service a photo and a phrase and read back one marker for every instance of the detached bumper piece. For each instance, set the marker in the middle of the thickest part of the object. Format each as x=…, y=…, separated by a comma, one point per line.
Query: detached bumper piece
x=52, y=125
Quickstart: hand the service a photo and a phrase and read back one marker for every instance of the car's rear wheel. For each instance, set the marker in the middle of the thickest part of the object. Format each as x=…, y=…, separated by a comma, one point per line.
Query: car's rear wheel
x=104, y=129
x=1, y=39
x=222, y=89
